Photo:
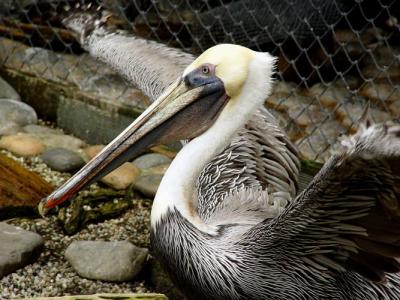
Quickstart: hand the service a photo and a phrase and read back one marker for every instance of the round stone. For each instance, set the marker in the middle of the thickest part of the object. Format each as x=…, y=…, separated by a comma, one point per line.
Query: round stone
x=122, y=177
x=22, y=145
x=35, y=129
x=110, y=261
x=151, y=160
x=148, y=184
x=17, y=112
x=52, y=140
x=7, y=91
x=92, y=151
x=62, y=160
x=10, y=128
x=17, y=248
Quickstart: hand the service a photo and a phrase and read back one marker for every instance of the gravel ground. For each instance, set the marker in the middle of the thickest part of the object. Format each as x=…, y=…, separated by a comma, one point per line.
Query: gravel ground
x=51, y=274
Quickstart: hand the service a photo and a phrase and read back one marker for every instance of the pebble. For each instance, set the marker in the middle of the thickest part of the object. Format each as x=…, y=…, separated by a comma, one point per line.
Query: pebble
x=16, y=112
x=52, y=140
x=62, y=160
x=115, y=261
x=17, y=248
x=51, y=275
x=7, y=91
x=10, y=128
x=92, y=151
x=151, y=160
x=122, y=177
x=41, y=129
x=148, y=184
x=22, y=145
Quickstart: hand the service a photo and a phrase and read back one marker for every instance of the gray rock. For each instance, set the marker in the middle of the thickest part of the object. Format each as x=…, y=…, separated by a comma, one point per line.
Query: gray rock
x=10, y=128
x=109, y=261
x=7, y=91
x=148, y=184
x=35, y=129
x=151, y=160
x=60, y=141
x=17, y=112
x=62, y=160
x=17, y=248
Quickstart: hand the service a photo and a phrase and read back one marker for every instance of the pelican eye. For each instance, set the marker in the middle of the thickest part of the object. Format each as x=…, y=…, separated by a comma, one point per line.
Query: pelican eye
x=205, y=70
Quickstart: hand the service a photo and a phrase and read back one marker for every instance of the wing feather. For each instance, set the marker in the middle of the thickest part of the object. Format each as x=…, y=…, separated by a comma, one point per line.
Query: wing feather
x=349, y=216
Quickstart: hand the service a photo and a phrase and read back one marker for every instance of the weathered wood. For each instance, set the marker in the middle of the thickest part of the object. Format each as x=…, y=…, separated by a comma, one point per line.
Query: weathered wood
x=20, y=189
x=106, y=297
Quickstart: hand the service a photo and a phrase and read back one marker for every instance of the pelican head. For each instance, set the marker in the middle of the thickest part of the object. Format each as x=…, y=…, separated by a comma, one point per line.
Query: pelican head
x=223, y=86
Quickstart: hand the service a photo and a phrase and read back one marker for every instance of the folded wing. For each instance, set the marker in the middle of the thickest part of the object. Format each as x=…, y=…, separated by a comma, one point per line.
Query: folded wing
x=349, y=216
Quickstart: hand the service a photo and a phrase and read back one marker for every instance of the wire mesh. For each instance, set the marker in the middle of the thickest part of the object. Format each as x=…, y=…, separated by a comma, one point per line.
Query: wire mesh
x=335, y=56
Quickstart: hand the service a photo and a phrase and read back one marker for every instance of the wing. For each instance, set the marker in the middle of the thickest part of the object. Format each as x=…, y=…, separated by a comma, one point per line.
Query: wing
x=349, y=216
x=260, y=156
x=149, y=65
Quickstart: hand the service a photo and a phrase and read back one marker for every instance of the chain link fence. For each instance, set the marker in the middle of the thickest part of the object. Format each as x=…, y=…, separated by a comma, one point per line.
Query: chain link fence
x=335, y=56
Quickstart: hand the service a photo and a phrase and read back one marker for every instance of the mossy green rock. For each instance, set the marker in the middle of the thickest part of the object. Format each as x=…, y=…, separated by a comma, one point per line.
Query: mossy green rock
x=91, y=207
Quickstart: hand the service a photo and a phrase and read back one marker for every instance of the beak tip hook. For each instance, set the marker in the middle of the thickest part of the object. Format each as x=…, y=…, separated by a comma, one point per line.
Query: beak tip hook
x=42, y=209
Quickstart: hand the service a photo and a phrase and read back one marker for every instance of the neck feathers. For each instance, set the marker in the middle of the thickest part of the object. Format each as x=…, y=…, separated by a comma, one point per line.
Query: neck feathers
x=177, y=189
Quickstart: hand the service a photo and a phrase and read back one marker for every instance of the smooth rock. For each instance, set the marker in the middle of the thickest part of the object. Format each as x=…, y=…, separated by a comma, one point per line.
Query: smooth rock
x=22, y=145
x=148, y=184
x=17, y=112
x=7, y=91
x=165, y=150
x=122, y=177
x=10, y=128
x=151, y=160
x=17, y=248
x=92, y=151
x=35, y=129
x=62, y=160
x=60, y=141
x=109, y=261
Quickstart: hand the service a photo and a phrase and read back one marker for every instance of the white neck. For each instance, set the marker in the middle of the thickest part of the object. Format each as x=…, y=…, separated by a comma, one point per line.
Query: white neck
x=177, y=188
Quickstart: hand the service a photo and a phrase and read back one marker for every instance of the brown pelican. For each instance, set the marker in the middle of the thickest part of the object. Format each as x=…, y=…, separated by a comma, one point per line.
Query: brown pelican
x=337, y=240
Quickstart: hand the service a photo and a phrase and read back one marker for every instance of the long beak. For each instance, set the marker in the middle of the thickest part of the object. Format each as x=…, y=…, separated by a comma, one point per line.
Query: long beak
x=165, y=120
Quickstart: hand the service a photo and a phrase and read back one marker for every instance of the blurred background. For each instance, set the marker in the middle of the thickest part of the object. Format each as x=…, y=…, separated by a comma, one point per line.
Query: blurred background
x=334, y=56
